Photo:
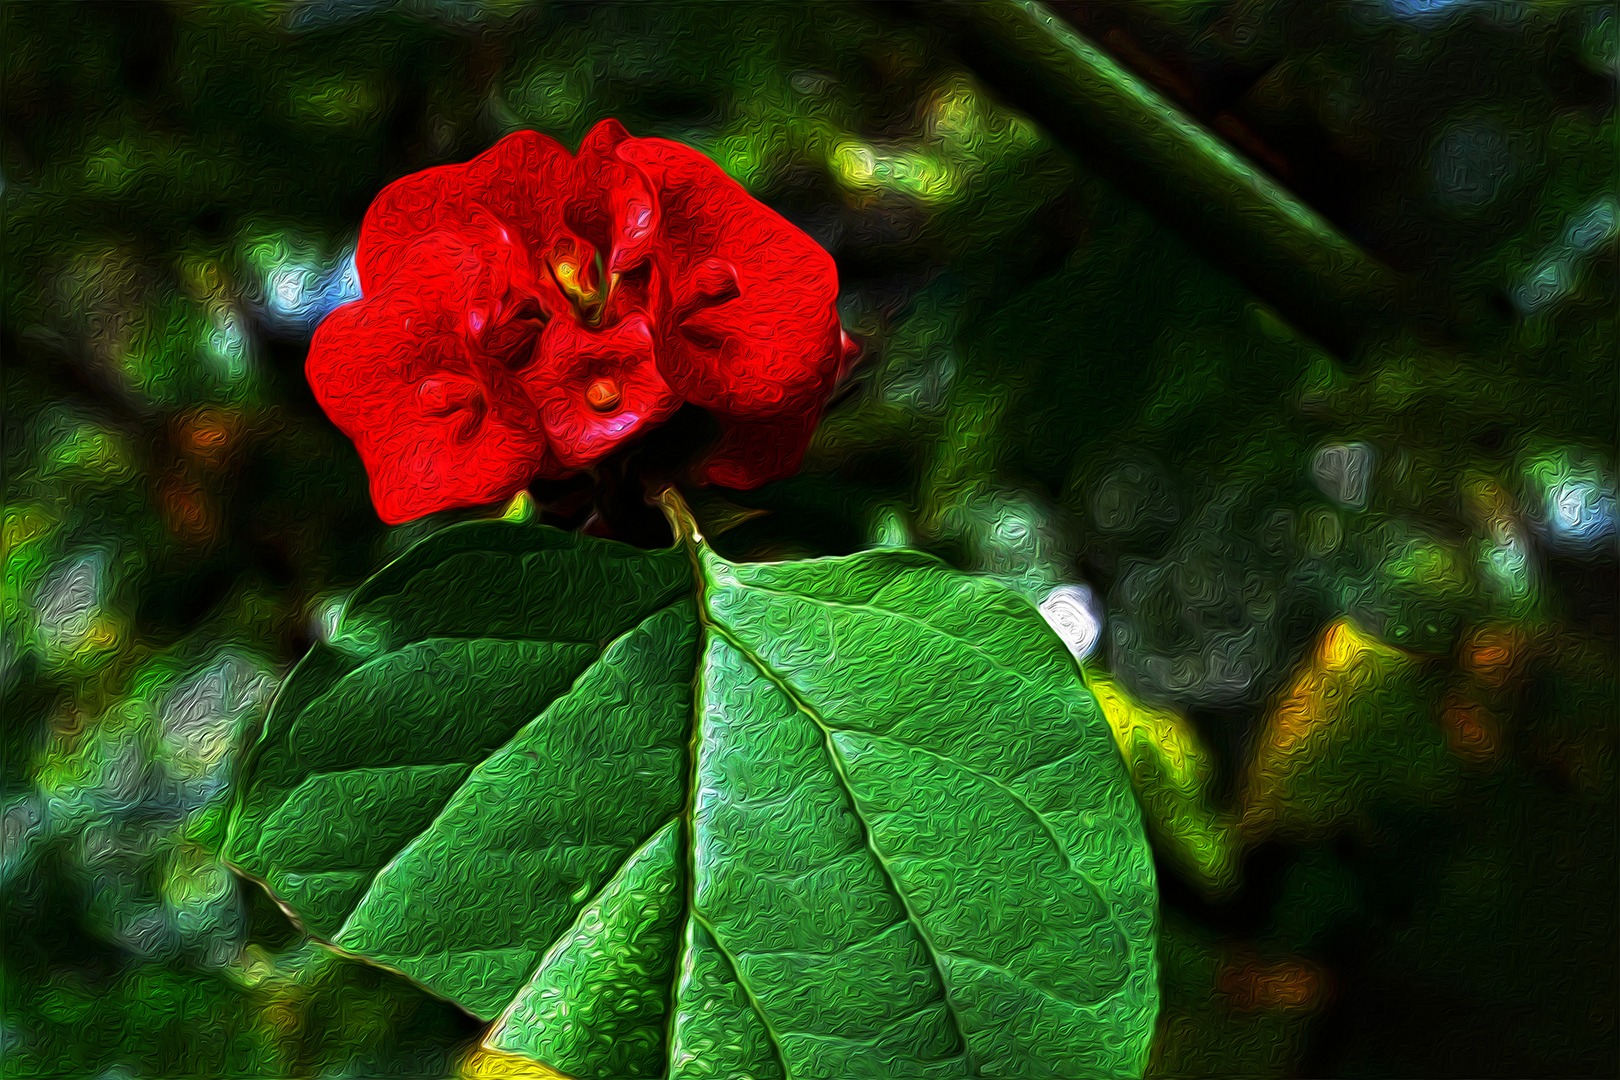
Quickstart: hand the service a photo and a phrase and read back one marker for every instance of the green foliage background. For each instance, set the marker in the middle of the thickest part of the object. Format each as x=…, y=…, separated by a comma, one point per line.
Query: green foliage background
x=1360, y=603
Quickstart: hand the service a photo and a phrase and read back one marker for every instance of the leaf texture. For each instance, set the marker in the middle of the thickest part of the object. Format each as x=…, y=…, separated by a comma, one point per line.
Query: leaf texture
x=655, y=814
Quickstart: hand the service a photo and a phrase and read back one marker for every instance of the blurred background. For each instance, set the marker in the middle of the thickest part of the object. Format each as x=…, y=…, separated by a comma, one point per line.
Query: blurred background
x=1347, y=588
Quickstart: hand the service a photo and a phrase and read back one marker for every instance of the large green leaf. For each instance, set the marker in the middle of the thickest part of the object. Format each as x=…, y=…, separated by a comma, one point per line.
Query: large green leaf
x=657, y=814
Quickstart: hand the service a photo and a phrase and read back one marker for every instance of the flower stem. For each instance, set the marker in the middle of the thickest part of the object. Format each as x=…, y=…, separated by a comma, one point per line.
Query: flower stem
x=681, y=520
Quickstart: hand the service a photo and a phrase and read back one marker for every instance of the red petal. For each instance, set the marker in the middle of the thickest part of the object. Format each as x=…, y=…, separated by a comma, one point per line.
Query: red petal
x=485, y=285
x=572, y=358
x=603, y=137
x=706, y=284
x=434, y=429
x=516, y=185
x=849, y=350
x=611, y=202
x=775, y=346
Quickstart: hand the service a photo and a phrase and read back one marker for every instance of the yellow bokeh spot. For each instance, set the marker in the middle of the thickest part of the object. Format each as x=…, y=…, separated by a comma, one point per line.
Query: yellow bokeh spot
x=1171, y=772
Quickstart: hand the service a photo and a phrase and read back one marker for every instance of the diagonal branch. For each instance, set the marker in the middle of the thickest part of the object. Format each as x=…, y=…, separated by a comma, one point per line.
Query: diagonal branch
x=1238, y=218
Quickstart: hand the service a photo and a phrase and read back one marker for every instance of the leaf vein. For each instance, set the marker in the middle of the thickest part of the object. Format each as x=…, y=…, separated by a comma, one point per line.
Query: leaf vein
x=971, y=646
x=848, y=1040
x=799, y=875
x=748, y=992
x=1023, y=803
x=1084, y=751
x=843, y=778
x=439, y=814
x=1091, y=1007
x=813, y=954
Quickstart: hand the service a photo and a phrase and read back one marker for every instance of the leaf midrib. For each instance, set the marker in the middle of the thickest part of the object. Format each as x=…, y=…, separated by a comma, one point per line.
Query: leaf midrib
x=871, y=607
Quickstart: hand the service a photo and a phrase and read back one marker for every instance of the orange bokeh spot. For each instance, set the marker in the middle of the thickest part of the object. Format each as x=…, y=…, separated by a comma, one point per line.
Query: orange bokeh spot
x=1286, y=985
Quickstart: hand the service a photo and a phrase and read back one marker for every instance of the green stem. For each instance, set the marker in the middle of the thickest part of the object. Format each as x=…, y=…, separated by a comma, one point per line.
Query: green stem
x=682, y=522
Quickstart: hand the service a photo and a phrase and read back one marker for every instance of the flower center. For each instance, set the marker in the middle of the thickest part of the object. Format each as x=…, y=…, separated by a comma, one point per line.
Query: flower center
x=571, y=275
x=603, y=395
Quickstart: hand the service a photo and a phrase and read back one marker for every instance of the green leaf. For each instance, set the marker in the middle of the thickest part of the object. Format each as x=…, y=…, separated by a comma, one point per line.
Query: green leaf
x=657, y=814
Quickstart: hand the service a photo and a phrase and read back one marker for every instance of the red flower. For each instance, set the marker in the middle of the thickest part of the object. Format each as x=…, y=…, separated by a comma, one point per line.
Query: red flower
x=526, y=313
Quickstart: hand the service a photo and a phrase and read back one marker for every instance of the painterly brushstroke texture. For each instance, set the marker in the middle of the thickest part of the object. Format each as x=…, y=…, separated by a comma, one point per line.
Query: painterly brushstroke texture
x=528, y=312
x=1340, y=572
x=864, y=808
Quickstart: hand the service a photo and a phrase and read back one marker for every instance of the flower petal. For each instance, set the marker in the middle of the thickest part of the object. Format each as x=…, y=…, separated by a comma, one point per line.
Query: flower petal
x=516, y=186
x=611, y=202
x=770, y=343
x=434, y=429
x=596, y=388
